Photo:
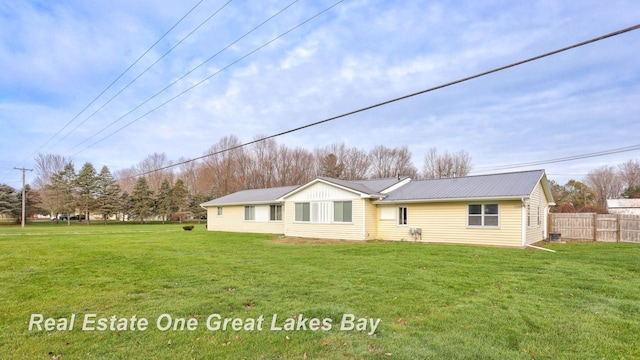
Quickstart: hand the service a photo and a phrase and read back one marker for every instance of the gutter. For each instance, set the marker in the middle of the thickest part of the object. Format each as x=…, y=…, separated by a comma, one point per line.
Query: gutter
x=440, y=200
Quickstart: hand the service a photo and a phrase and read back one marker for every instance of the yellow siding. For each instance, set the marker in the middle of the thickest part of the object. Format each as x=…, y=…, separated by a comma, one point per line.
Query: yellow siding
x=447, y=222
x=340, y=231
x=440, y=222
x=371, y=218
x=232, y=219
x=538, y=207
x=356, y=230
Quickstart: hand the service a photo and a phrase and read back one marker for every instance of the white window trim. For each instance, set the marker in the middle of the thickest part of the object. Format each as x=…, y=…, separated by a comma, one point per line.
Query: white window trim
x=254, y=212
x=482, y=216
x=329, y=204
x=281, y=213
x=333, y=218
x=400, y=218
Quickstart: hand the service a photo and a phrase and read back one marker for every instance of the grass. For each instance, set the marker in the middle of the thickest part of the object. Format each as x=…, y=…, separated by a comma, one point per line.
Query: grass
x=434, y=301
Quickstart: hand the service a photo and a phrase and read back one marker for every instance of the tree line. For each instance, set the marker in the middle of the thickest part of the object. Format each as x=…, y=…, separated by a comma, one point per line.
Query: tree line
x=64, y=191
x=606, y=182
x=156, y=188
x=267, y=164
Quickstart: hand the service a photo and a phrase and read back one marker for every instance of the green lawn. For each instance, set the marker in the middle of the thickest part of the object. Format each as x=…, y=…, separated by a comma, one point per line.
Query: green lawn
x=433, y=301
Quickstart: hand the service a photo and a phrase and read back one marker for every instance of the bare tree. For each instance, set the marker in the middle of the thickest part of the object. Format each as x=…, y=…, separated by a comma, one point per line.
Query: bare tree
x=357, y=163
x=387, y=162
x=188, y=172
x=46, y=166
x=155, y=169
x=630, y=173
x=353, y=162
x=126, y=179
x=262, y=172
x=302, y=167
x=447, y=165
x=605, y=183
x=227, y=163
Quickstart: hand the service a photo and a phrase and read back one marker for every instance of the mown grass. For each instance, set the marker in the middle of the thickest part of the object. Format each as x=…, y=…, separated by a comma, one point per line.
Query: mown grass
x=434, y=301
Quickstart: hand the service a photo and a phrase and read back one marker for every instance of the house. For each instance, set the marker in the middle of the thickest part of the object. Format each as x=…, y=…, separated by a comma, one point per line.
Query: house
x=508, y=209
x=624, y=206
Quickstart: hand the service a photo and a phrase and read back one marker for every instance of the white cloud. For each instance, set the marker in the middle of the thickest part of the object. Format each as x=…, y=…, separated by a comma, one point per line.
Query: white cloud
x=360, y=53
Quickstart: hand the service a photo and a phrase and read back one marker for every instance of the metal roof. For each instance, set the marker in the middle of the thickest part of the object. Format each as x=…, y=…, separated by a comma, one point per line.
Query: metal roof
x=623, y=203
x=254, y=196
x=508, y=185
x=369, y=187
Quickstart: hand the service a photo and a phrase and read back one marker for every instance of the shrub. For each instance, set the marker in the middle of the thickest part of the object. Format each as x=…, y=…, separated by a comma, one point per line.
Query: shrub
x=187, y=227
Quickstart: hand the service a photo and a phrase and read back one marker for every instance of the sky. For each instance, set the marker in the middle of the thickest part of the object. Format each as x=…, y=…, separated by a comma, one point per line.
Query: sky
x=111, y=82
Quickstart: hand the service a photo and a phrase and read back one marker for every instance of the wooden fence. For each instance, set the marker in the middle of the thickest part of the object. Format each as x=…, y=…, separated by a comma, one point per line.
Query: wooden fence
x=597, y=227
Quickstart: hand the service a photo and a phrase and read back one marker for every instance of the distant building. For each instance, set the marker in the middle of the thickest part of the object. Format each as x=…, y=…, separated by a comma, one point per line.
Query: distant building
x=624, y=206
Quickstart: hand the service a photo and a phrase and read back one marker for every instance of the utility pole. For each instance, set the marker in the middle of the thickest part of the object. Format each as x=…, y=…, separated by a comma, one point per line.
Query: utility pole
x=24, y=195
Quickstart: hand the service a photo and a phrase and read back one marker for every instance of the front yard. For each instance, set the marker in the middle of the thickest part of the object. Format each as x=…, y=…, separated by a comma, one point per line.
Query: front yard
x=375, y=300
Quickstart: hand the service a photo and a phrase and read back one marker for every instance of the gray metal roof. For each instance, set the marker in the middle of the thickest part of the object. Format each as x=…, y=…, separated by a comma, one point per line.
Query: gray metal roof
x=255, y=196
x=508, y=185
x=623, y=203
x=370, y=187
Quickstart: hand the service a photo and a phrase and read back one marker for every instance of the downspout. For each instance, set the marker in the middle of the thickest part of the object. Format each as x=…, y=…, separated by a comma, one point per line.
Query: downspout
x=206, y=208
x=284, y=218
x=524, y=222
x=364, y=219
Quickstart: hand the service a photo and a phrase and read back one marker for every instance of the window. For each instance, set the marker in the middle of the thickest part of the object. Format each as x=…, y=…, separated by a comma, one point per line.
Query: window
x=528, y=215
x=539, y=216
x=275, y=212
x=342, y=211
x=303, y=212
x=483, y=215
x=321, y=212
x=219, y=210
x=249, y=212
x=402, y=216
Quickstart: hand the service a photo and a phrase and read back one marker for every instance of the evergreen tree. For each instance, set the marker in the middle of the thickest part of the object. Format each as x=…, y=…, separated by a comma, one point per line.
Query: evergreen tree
x=164, y=200
x=32, y=204
x=632, y=192
x=141, y=199
x=331, y=167
x=179, y=197
x=124, y=205
x=86, y=184
x=107, y=194
x=9, y=200
x=64, y=192
x=195, y=209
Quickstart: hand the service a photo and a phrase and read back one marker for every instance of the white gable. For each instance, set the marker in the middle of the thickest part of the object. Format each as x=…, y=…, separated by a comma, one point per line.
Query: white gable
x=322, y=191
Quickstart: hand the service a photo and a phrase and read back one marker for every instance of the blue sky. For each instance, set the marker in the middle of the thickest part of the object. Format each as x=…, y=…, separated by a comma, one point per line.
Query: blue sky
x=58, y=56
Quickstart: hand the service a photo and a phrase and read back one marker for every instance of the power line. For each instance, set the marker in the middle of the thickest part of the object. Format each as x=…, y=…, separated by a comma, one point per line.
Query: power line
x=145, y=71
x=455, y=82
x=557, y=160
x=112, y=83
x=203, y=80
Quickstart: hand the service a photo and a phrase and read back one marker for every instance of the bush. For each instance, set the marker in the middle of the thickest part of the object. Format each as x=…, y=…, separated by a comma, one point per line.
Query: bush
x=187, y=227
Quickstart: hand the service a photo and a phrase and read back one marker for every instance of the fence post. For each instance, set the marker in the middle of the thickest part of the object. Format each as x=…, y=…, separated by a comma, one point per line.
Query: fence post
x=595, y=227
x=618, y=227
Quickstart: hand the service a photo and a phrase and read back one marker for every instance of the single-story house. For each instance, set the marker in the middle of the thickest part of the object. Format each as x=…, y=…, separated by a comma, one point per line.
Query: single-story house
x=623, y=206
x=508, y=209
